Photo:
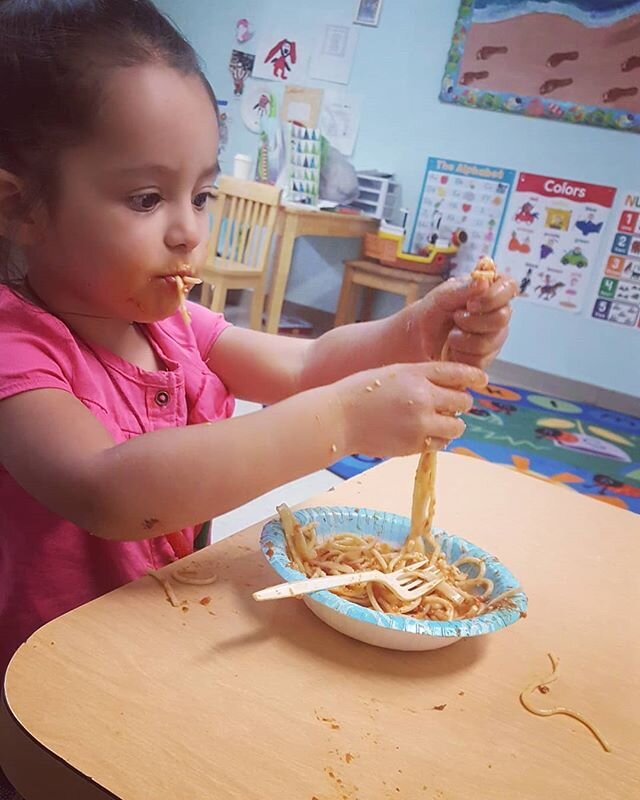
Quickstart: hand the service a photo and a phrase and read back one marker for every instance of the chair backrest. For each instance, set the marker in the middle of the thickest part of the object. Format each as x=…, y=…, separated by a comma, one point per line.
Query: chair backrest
x=244, y=218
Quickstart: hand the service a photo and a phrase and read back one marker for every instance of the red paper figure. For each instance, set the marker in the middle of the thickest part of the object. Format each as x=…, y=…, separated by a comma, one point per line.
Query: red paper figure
x=279, y=56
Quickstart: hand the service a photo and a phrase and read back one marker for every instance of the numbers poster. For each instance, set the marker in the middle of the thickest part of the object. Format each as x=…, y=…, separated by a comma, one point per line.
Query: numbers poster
x=461, y=196
x=618, y=297
x=552, y=236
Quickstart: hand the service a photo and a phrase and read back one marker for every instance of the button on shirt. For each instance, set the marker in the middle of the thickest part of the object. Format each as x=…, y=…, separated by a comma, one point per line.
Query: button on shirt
x=48, y=565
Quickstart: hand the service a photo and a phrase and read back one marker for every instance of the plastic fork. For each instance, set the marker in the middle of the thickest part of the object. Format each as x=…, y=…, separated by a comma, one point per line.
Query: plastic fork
x=403, y=582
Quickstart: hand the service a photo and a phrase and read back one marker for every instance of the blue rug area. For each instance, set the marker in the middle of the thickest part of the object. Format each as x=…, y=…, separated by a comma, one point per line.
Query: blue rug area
x=590, y=449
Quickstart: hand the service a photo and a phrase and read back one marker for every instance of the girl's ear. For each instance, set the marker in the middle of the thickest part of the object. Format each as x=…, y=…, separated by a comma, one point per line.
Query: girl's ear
x=15, y=223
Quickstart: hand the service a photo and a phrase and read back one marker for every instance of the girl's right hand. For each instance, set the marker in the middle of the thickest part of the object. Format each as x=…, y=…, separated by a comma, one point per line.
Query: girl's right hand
x=403, y=408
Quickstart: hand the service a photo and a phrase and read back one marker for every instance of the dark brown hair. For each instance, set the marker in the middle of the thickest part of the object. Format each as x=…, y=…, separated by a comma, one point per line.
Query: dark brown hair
x=53, y=56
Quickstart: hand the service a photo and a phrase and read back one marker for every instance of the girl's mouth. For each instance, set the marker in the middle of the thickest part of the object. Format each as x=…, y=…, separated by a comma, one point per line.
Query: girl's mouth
x=188, y=280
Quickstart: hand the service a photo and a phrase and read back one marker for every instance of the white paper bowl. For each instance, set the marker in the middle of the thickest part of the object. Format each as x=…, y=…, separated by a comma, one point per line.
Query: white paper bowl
x=392, y=631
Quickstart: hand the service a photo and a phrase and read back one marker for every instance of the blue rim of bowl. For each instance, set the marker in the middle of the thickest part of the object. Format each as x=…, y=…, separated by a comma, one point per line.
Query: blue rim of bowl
x=393, y=528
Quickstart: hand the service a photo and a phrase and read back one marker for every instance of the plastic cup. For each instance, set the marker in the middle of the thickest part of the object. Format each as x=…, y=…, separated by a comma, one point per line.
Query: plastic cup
x=242, y=167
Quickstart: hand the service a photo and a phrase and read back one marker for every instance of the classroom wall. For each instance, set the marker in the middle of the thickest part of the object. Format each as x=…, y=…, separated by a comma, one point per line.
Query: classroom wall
x=397, y=69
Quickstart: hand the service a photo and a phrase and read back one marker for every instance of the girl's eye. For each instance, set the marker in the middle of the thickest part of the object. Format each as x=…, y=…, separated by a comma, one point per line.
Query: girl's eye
x=144, y=202
x=200, y=200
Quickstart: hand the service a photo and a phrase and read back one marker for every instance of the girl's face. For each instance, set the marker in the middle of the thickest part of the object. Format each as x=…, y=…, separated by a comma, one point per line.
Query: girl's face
x=131, y=209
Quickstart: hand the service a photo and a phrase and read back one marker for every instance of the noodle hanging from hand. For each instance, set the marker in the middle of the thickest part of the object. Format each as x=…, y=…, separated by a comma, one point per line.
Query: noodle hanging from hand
x=424, y=496
x=460, y=596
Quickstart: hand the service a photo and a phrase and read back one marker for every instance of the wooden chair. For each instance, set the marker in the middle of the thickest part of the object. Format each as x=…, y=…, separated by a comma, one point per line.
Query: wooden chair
x=244, y=219
x=370, y=275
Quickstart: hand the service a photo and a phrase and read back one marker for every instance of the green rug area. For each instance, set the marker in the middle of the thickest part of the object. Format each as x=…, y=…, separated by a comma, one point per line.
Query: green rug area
x=593, y=450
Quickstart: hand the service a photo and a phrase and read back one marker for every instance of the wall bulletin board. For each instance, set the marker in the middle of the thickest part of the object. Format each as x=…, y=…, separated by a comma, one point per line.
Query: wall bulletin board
x=571, y=60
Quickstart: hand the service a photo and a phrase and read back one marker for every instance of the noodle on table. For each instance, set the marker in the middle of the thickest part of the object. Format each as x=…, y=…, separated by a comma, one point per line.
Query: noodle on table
x=543, y=686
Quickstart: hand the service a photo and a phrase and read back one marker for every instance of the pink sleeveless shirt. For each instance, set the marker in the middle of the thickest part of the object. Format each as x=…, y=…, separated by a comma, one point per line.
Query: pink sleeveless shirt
x=48, y=565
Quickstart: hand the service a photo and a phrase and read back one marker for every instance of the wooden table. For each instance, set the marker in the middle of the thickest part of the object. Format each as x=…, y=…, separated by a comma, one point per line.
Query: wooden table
x=294, y=222
x=369, y=276
x=130, y=698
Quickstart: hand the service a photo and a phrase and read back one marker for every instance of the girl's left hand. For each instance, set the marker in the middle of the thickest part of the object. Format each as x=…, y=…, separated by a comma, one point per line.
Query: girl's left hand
x=482, y=327
x=470, y=317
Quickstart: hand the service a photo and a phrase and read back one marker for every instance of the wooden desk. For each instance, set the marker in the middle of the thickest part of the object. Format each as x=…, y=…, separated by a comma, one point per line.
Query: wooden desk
x=295, y=222
x=265, y=702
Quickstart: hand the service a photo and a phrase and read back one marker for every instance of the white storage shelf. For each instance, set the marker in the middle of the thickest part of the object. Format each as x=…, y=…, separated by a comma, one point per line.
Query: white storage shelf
x=377, y=195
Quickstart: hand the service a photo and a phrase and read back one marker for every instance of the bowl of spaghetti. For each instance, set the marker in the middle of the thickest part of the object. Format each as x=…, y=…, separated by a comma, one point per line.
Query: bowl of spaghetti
x=332, y=540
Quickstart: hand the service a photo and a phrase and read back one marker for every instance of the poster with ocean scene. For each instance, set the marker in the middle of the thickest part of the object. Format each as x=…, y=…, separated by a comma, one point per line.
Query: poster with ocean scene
x=571, y=60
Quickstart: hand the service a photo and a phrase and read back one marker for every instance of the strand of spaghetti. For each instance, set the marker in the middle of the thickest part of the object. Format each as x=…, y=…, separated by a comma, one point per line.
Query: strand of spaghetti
x=378, y=557
x=373, y=599
x=476, y=562
x=193, y=580
x=424, y=503
x=334, y=566
x=288, y=526
x=168, y=589
x=409, y=607
x=485, y=270
x=471, y=582
x=182, y=294
x=567, y=712
x=504, y=596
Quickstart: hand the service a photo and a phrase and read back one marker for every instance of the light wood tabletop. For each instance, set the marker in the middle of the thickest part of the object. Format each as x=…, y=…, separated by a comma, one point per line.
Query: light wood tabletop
x=129, y=697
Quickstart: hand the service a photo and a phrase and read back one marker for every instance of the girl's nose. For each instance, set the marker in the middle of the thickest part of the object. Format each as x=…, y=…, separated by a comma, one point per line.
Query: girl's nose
x=185, y=230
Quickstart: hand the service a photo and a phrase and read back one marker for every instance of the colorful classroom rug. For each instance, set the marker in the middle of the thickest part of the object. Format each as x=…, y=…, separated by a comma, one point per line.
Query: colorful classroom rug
x=589, y=449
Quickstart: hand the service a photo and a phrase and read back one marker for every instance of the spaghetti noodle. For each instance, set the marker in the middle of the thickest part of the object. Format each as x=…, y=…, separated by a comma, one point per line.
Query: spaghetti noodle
x=485, y=270
x=189, y=575
x=168, y=588
x=348, y=553
x=424, y=498
x=543, y=686
x=463, y=594
x=182, y=299
x=183, y=284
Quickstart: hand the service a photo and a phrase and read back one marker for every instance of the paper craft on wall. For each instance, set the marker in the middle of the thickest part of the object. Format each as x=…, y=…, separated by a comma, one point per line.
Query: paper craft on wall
x=223, y=127
x=340, y=119
x=618, y=298
x=258, y=100
x=281, y=55
x=572, y=60
x=304, y=161
x=333, y=55
x=272, y=153
x=457, y=195
x=301, y=104
x=243, y=31
x=240, y=66
x=552, y=235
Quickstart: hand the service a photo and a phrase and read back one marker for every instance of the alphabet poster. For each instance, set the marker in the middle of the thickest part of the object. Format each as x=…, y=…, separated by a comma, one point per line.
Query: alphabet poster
x=461, y=196
x=618, y=298
x=551, y=238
